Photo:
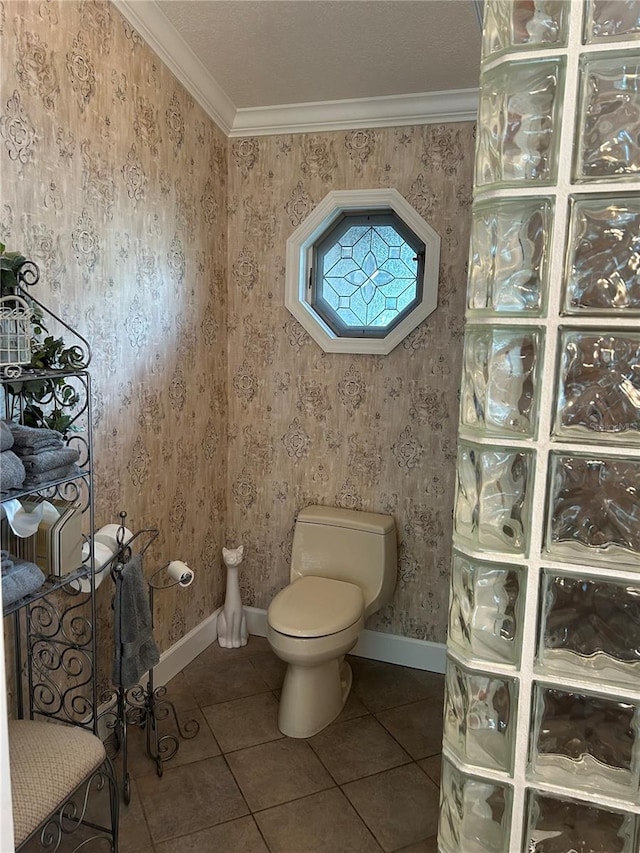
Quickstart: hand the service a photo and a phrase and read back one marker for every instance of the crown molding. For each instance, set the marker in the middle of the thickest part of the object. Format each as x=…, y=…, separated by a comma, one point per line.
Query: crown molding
x=388, y=111
x=176, y=54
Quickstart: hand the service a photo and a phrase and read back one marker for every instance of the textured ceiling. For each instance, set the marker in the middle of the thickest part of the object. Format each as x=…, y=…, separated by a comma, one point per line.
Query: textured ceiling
x=270, y=52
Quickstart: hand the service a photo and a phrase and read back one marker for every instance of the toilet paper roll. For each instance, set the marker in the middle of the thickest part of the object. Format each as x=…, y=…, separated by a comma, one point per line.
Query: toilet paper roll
x=101, y=556
x=108, y=535
x=179, y=571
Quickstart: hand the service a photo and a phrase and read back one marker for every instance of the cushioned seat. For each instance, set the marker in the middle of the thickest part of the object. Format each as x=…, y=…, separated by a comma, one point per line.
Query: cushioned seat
x=48, y=762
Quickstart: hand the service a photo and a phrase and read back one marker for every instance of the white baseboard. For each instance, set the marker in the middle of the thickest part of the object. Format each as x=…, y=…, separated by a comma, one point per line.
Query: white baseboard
x=374, y=645
x=405, y=651
x=390, y=648
x=180, y=654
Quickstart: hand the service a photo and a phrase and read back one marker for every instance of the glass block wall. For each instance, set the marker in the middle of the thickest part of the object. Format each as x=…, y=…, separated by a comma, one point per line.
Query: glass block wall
x=542, y=708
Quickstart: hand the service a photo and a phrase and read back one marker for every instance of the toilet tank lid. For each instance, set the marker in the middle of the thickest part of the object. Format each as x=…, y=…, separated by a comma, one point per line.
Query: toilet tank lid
x=369, y=522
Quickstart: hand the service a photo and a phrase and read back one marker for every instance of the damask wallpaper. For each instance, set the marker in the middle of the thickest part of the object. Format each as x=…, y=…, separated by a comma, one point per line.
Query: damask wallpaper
x=368, y=432
x=114, y=182
x=216, y=417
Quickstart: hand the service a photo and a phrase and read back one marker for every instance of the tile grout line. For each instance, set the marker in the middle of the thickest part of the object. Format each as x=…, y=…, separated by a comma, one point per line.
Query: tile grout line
x=200, y=706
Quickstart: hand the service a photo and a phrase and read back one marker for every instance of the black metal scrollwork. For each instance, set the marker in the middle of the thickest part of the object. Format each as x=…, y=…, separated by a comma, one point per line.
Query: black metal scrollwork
x=60, y=646
x=71, y=816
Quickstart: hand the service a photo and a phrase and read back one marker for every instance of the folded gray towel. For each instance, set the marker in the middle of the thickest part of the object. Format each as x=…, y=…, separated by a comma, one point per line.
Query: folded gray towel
x=34, y=438
x=38, y=446
x=12, y=471
x=46, y=460
x=23, y=579
x=135, y=650
x=6, y=562
x=49, y=476
x=6, y=438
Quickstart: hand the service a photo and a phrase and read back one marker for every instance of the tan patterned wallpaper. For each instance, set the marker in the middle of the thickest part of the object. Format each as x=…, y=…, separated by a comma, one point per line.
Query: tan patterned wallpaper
x=369, y=432
x=114, y=182
x=163, y=242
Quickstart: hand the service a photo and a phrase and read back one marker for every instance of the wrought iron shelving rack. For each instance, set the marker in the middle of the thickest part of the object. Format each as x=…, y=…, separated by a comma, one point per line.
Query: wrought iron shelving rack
x=54, y=628
x=54, y=639
x=54, y=635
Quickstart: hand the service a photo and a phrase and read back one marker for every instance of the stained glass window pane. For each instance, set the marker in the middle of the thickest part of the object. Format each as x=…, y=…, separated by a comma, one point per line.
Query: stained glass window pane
x=368, y=271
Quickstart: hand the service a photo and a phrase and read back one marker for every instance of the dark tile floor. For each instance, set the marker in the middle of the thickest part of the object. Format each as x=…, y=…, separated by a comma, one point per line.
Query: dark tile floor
x=367, y=783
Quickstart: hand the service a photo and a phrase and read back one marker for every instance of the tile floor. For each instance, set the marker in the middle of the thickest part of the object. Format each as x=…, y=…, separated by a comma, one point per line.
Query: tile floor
x=367, y=783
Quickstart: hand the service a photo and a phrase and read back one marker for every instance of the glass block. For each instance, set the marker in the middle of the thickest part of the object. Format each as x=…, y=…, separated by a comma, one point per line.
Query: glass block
x=608, y=139
x=603, y=257
x=521, y=23
x=479, y=717
x=518, y=126
x=590, y=629
x=586, y=741
x=485, y=609
x=499, y=380
x=599, y=387
x=558, y=825
x=612, y=19
x=594, y=511
x=509, y=256
x=492, y=497
x=475, y=813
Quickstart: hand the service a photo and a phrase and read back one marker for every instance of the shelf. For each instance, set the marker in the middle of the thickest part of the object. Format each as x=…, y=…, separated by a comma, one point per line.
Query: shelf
x=51, y=584
x=13, y=494
x=31, y=373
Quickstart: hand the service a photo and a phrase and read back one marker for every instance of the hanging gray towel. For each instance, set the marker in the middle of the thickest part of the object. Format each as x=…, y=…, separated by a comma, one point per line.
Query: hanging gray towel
x=135, y=649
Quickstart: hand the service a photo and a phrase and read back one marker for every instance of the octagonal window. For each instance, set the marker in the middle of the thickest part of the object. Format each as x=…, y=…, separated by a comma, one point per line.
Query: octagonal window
x=367, y=273
x=362, y=271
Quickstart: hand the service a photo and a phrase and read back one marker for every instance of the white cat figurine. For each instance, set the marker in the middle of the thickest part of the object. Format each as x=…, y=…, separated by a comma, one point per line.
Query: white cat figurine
x=232, y=624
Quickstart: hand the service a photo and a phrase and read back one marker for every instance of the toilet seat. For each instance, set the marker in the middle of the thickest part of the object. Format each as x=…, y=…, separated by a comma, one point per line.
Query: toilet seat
x=315, y=607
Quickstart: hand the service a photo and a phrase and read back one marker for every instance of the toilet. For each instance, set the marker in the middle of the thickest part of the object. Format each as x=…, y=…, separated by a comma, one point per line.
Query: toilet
x=343, y=568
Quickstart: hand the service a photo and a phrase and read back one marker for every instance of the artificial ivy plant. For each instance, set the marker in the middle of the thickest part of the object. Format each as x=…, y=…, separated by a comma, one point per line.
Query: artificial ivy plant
x=10, y=263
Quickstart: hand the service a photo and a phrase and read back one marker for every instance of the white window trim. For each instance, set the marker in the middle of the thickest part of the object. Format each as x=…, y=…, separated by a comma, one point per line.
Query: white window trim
x=300, y=244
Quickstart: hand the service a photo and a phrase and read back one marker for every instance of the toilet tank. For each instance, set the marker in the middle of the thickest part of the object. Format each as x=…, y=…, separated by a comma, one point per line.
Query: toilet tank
x=347, y=545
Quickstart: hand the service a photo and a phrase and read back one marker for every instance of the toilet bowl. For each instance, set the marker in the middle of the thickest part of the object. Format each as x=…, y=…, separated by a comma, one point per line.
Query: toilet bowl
x=343, y=568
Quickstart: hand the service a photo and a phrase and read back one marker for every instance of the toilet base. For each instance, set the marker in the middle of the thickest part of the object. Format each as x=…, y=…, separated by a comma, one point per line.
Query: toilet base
x=313, y=696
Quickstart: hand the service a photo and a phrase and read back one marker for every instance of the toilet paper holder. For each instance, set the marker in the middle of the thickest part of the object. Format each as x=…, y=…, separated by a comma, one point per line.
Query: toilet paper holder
x=144, y=705
x=179, y=572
